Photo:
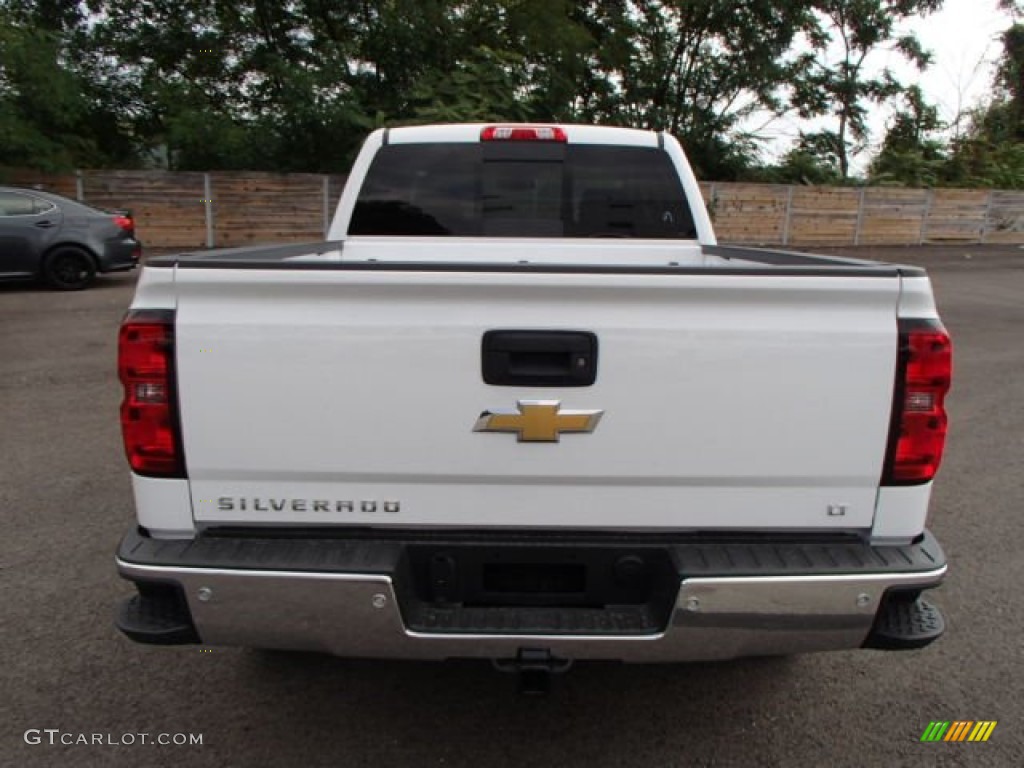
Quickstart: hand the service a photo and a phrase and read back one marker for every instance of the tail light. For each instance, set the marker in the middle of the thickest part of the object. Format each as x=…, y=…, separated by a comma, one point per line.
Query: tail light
x=917, y=434
x=127, y=223
x=149, y=412
x=523, y=133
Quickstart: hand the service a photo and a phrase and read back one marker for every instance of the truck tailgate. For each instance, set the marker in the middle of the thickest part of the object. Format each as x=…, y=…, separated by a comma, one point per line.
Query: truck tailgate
x=349, y=397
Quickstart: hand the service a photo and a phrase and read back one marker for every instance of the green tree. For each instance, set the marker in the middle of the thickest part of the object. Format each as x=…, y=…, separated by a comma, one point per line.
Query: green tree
x=700, y=68
x=990, y=153
x=238, y=85
x=55, y=111
x=840, y=84
x=813, y=159
x=483, y=86
x=207, y=84
x=1010, y=80
x=911, y=154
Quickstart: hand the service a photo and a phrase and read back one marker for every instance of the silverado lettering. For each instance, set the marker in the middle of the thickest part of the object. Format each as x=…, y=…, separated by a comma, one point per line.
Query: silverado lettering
x=241, y=503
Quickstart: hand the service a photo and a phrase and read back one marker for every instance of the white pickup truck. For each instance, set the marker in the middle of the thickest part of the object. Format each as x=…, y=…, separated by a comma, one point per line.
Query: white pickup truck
x=521, y=406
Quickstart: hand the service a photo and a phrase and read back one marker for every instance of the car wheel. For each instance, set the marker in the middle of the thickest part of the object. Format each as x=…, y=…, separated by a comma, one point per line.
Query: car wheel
x=69, y=269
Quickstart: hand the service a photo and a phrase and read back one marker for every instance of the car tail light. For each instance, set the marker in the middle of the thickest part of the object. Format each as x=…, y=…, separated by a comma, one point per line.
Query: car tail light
x=149, y=411
x=523, y=133
x=127, y=223
x=917, y=434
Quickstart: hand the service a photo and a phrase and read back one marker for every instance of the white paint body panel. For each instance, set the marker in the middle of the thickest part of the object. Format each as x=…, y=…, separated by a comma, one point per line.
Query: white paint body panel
x=900, y=513
x=155, y=290
x=164, y=507
x=731, y=401
x=917, y=299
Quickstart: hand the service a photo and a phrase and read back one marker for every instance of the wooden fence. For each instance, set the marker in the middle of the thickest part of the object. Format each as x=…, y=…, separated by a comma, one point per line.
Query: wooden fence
x=199, y=210
x=195, y=210
x=787, y=215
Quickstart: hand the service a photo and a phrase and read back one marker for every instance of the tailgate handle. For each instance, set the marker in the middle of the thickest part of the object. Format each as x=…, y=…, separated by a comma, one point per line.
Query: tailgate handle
x=539, y=358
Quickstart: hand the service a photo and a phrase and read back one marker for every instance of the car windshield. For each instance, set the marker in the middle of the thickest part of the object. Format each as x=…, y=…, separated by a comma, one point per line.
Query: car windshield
x=522, y=189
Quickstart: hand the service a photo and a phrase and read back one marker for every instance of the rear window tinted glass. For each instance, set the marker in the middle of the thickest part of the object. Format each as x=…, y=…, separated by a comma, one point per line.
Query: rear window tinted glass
x=522, y=189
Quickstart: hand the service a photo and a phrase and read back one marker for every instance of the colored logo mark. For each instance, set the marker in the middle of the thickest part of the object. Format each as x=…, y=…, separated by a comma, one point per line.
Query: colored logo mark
x=959, y=730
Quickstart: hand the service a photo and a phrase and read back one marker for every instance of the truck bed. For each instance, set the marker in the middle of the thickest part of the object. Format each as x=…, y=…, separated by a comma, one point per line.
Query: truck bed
x=517, y=255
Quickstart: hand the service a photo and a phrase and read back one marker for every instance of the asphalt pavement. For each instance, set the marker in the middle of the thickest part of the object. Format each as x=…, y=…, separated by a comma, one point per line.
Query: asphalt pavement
x=66, y=673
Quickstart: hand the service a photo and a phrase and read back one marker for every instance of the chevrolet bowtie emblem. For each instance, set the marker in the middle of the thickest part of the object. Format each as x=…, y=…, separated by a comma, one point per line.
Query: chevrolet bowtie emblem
x=538, y=421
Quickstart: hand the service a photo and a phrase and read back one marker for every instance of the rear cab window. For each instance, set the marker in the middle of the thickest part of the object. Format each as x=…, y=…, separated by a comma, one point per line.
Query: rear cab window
x=522, y=189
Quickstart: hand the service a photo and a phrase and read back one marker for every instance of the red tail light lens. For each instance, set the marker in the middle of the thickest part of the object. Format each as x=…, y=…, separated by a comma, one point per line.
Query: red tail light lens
x=523, y=133
x=149, y=413
x=126, y=223
x=917, y=434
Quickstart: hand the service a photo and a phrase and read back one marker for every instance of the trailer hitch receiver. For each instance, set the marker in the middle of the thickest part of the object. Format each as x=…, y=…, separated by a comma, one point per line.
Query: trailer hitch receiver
x=534, y=668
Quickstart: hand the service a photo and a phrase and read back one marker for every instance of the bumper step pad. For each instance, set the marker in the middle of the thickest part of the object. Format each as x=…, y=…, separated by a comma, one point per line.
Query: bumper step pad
x=905, y=625
x=158, y=619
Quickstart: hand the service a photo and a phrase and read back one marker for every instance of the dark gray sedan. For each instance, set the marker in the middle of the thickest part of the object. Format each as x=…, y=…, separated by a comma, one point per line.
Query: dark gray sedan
x=60, y=241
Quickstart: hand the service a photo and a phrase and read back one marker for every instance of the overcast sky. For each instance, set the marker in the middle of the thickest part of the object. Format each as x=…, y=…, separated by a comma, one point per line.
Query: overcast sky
x=964, y=40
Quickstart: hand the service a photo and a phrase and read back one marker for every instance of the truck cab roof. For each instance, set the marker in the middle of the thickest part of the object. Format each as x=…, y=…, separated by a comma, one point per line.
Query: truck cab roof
x=471, y=132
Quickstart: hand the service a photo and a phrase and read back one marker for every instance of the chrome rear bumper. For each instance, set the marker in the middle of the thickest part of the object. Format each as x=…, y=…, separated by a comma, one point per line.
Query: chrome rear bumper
x=360, y=615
